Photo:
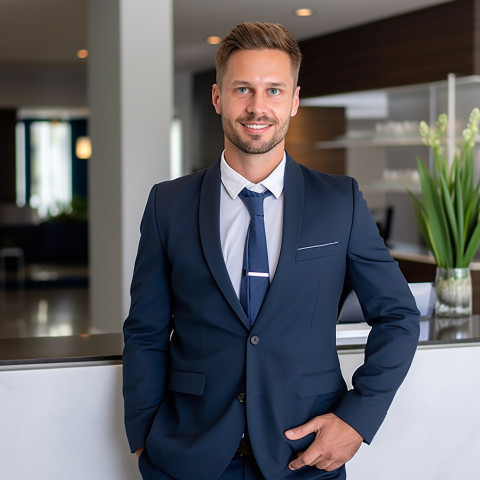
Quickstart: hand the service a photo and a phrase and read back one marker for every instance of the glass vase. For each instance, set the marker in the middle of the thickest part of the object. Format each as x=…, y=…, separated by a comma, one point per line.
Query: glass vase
x=454, y=292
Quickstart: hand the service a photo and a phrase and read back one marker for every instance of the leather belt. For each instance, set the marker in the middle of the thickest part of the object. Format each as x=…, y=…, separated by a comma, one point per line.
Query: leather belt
x=244, y=448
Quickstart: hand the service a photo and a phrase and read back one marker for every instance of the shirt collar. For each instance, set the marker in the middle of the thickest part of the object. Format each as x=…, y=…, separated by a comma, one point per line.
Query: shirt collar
x=234, y=183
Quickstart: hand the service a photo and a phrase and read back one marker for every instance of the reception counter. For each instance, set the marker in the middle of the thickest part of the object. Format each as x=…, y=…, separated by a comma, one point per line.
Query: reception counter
x=62, y=410
x=431, y=430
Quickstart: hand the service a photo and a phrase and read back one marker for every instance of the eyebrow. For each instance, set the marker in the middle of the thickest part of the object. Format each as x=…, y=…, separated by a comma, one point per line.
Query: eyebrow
x=248, y=84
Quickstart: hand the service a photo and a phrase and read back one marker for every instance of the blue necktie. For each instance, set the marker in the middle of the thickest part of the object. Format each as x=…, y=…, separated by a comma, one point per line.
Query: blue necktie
x=255, y=275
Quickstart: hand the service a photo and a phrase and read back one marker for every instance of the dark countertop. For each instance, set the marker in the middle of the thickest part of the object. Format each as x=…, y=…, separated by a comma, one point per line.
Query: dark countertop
x=433, y=332
x=108, y=346
x=449, y=331
x=76, y=348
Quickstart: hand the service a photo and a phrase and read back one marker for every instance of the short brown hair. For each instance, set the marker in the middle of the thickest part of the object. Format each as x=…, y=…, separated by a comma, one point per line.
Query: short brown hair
x=257, y=36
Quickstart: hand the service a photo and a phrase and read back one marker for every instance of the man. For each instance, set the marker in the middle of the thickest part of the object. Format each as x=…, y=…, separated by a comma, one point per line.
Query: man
x=231, y=371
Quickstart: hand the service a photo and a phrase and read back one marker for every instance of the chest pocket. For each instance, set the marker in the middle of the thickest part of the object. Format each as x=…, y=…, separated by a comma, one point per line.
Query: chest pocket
x=316, y=251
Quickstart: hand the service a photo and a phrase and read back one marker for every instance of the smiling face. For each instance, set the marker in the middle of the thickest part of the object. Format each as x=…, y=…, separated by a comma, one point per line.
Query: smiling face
x=256, y=99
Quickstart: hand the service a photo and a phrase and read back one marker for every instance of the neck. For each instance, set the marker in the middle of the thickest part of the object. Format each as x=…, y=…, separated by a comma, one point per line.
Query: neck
x=254, y=167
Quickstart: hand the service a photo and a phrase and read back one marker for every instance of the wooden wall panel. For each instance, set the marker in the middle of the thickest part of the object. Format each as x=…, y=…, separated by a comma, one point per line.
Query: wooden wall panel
x=416, y=47
x=316, y=124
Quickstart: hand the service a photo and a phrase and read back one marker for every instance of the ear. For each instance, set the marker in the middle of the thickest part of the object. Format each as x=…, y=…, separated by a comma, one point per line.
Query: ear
x=296, y=102
x=216, y=98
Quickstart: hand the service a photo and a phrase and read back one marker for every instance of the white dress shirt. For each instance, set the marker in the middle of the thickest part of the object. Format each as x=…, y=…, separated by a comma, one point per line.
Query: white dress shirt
x=235, y=219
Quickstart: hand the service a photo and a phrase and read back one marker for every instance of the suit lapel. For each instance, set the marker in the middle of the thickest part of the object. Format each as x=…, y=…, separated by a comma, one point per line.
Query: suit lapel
x=294, y=194
x=209, y=218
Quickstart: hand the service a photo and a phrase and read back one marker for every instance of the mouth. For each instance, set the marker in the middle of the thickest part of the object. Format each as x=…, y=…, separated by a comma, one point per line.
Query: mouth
x=257, y=127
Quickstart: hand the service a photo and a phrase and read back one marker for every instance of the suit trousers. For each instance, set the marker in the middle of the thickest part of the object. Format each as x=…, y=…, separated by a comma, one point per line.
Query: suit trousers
x=240, y=468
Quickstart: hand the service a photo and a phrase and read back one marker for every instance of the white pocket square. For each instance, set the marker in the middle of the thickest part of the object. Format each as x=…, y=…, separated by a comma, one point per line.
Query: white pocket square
x=318, y=246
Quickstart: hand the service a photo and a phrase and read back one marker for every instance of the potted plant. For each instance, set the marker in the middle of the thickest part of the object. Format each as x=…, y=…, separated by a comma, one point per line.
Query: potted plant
x=448, y=214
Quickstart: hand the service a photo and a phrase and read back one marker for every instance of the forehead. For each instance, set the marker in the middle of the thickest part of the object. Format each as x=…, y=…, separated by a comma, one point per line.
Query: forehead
x=259, y=65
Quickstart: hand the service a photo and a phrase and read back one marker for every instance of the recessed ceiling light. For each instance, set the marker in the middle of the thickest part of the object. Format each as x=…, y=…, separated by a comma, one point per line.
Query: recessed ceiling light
x=303, y=12
x=82, y=53
x=214, y=40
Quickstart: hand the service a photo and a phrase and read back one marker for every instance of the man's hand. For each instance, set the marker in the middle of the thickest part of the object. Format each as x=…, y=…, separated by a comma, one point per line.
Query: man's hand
x=335, y=443
x=138, y=452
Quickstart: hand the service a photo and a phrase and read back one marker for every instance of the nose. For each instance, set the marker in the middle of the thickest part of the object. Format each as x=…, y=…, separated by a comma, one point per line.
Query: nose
x=257, y=105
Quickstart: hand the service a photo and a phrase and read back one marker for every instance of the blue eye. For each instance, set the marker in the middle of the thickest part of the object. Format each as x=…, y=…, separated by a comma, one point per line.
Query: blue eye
x=242, y=90
x=274, y=91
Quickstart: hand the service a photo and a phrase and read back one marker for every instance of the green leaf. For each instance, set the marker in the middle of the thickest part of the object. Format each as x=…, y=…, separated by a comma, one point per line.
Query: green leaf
x=452, y=172
x=435, y=216
x=471, y=216
x=460, y=241
x=472, y=211
x=447, y=201
x=472, y=246
x=419, y=209
x=438, y=254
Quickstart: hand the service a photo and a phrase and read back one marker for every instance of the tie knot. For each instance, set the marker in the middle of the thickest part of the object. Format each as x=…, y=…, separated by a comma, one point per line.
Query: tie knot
x=254, y=201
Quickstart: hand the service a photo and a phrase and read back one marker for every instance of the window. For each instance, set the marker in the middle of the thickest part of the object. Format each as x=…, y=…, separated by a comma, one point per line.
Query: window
x=49, y=176
x=50, y=166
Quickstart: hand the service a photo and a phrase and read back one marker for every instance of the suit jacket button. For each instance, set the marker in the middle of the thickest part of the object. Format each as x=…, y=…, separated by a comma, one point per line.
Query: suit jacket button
x=241, y=397
x=255, y=340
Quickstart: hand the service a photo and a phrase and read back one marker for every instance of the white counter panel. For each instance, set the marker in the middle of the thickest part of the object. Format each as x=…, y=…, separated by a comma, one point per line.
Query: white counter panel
x=66, y=422
x=432, y=429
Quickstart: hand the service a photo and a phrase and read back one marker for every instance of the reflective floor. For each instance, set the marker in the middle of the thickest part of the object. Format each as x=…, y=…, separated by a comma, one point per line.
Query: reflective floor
x=43, y=312
x=47, y=309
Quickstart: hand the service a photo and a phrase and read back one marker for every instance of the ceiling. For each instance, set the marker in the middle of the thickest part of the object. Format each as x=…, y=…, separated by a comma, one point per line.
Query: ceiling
x=39, y=31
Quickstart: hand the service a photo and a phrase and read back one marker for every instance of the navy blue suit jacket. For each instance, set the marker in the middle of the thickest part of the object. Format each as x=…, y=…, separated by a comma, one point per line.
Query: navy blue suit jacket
x=189, y=352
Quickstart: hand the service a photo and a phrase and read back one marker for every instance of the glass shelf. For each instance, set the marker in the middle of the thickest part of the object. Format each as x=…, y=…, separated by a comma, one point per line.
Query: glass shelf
x=377, y=141
x=374, y=141
x=382, y=141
